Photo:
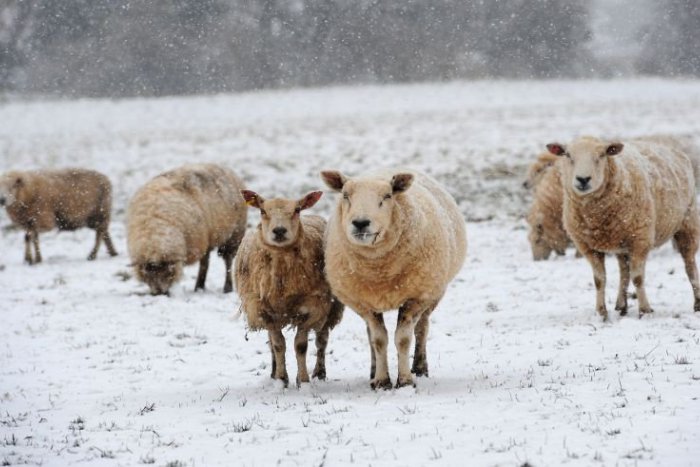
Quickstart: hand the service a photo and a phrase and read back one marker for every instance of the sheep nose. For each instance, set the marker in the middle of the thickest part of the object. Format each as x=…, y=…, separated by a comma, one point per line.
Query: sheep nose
x=583, y=181
x=526, y=184
x=279, y=231
x=2, y=201
x=361, y=224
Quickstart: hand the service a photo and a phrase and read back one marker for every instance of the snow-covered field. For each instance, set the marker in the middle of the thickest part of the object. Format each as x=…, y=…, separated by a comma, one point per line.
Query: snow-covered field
x=95, y=371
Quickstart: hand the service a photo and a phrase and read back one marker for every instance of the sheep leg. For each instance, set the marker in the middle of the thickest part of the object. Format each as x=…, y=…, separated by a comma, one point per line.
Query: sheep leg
x=98, y=241
x=597, y=260
x=623, y=261
x=203, y=269
x=37, y=251
x=301, y=344
x=273, y=365
x=687, y=242
x=28, y=248
x=637, y=266
x=373, y=356
x=227, y=252
x=420, y=355
x=108, y=242
x=409, y=315
x=321, y=343
x=279, y=347
x=379, y=340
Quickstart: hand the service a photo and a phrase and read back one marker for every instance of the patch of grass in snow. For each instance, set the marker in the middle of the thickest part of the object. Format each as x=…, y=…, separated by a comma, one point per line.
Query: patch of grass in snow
x=681, y=360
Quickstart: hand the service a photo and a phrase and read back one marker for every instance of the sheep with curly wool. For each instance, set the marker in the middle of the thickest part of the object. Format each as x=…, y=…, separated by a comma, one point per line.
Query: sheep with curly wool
x=396, y=239
x=280, y=280
x=178, y=217
x=67, y=199
x=627, y=199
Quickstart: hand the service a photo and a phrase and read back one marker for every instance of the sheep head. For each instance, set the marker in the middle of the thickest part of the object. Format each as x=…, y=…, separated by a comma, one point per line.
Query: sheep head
x=11, y=184
x=537, y=169
x=585, y=169
x=366, y=209
x=280, y=218
x=159, y=275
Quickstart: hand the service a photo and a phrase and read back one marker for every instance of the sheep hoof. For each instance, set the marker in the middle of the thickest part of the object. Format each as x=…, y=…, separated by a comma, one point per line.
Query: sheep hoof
x=622, y=310
x=645, y=312
x=384, y=383
x=319, y=373
x=403, y=382
x=228, y=288
x=697, y=305
x=301, y=380
x=285, y=381
x=604, y=314
x=420, y=369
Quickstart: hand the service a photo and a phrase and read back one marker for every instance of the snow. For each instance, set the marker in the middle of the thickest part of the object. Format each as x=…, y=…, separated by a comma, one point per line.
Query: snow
x=93, y=370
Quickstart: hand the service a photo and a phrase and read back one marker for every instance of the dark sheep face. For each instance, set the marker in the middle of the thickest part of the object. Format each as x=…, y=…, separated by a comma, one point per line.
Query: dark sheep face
x=159, y=276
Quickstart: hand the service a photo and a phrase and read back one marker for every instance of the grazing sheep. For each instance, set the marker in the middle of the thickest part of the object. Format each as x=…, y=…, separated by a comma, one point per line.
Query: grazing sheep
x=626, y=199
x=67, y=199
x=395, y=240
x=178, y=217
x=545, y=215
x=537, y=170
x=279, y=277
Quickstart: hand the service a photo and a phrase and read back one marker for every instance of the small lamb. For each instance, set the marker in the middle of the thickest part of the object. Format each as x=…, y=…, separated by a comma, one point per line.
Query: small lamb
x=280, y=279
x=68, y=199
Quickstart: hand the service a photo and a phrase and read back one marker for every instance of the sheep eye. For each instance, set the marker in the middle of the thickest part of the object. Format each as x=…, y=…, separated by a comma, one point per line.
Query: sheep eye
x=297, y=210
x=387, y=196
x=346, y=196
x=262, y=212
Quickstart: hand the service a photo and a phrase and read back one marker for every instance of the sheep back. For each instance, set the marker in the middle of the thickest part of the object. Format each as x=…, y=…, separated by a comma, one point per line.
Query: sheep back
x=66, y=199
x=180, y=215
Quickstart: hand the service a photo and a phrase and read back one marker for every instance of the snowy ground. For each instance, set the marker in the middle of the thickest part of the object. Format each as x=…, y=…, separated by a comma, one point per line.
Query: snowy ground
x=95, y=371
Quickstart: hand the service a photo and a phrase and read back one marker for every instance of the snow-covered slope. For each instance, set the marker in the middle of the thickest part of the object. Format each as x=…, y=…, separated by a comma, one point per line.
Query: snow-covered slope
x=95, y=371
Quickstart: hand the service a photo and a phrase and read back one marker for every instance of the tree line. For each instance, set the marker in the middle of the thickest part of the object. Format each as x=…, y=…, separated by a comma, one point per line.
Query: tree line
x=152, y=48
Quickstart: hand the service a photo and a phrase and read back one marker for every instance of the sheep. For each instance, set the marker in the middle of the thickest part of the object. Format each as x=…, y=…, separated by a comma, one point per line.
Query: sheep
x=395, y=240
x=280, y=280
x=67, y=199
x=545, y=215
x=626, y=199
x=178, y=217
x=539, y=168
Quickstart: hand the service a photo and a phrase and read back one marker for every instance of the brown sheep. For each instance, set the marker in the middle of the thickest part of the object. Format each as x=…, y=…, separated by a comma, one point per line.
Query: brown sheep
x=395, y=241
x=67, y=199
x=538, y=169
x=626, y=199
x=280, y=279
x=178, y=217
x=545, y=215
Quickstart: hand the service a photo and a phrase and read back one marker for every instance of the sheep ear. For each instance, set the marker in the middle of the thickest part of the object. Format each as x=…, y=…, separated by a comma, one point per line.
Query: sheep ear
x=556, y=149
x=614, y=149
x=401, y=182
x=310, y=199
x=334, y=179
x=252, y=199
